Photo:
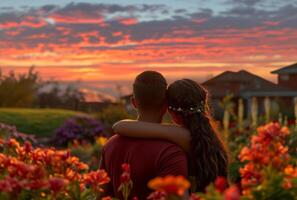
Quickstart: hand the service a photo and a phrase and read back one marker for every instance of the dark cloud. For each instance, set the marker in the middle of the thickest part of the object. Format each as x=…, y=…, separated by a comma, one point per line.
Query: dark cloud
x=179, y=11
x=245, y=2
x=21, y=27
x=49, y=8
x=6, y=8
x=95, y=9
x=242, y=11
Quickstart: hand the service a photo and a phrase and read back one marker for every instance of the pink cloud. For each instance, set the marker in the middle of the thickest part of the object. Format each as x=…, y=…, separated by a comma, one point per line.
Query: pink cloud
x=128, y=21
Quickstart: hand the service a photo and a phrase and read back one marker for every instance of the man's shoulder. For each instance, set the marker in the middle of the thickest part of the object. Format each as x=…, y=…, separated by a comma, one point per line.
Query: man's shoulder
x=112, y=140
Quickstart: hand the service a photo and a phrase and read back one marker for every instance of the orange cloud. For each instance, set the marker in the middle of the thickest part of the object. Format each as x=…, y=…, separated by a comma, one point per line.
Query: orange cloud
x=92, y=46
x=128, y=21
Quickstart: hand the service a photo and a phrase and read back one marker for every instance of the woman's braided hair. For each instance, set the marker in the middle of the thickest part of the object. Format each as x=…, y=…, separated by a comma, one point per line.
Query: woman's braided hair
x=208, y=156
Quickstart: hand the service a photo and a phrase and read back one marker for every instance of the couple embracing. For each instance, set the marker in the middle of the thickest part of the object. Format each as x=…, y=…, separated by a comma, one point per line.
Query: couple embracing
x=189, y=147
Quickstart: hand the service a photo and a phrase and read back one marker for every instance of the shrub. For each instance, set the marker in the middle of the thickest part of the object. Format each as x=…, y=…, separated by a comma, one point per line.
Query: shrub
x=80, y=129
x=89, y=153
x=24, y=87
x=111, y=115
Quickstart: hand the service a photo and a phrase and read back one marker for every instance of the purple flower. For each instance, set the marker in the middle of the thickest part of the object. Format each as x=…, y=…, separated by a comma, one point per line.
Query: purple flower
x=80, y=128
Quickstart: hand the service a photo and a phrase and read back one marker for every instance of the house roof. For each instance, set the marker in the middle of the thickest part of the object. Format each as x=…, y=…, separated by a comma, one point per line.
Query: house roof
x=291, y=69
x=241, y=82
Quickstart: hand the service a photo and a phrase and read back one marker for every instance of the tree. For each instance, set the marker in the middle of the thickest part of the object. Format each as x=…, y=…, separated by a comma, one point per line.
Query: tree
x=18, y=90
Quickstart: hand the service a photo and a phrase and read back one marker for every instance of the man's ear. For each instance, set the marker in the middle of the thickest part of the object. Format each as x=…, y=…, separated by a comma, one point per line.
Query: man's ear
x=133, y=102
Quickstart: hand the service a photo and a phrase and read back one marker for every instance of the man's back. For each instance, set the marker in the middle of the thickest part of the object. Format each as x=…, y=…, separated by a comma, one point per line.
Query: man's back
x=147, y=159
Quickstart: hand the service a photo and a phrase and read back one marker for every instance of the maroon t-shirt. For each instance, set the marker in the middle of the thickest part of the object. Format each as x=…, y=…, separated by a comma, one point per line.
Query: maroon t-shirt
x=148, y=158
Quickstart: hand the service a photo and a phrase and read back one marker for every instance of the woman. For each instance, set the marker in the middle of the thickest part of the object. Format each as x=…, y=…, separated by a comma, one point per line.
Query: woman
x=188, y=106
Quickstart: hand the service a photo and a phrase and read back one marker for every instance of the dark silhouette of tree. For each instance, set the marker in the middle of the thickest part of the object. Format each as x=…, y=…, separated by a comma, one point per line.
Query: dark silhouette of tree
x=18, y=90
x=28, y=90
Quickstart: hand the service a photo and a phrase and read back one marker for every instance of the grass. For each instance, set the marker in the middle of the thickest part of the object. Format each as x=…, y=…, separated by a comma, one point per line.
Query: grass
x=39, y=122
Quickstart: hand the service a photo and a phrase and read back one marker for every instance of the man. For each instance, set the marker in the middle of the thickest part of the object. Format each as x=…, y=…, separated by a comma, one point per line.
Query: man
x=147, y=158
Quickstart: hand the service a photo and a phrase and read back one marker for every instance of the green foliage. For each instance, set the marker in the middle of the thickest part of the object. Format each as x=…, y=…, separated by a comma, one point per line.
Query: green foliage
x=27, y=90
x=89, y=154
x=18, y=91
x=55, y=97
x=112, y=114
x=272, y=187
x=292, y=143
x=227, y=104
x=40, y=122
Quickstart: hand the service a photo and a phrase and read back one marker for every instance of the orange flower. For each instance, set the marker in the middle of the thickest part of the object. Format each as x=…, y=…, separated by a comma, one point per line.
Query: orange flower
x=267, y=148
x=72, y=175
x=96, y=179
x=4, y=161
x=245, y=154
x=101, y=140
x=13, y=143
x=176, y=185
x=291, y=171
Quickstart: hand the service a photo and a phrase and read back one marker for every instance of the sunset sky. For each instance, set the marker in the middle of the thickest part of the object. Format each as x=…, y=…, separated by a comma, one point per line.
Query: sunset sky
x=107, y=42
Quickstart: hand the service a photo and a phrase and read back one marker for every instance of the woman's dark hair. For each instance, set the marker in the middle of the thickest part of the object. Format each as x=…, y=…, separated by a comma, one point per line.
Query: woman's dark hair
x=208, y=156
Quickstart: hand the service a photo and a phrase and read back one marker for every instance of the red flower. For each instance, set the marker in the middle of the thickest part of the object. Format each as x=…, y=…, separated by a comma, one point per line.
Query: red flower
x=27, y=147
x=126, y=167
x=221, y=184
x=125, y=177
x=10, y=184
x=57, y=184
x=107, y=198
x=126, y=182
x=157, y=195
x=194, y=197
x=5, y=186
x=232, y=193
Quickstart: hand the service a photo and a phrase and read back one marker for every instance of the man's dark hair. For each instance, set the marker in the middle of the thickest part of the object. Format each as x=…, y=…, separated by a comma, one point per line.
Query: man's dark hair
x=149, y=90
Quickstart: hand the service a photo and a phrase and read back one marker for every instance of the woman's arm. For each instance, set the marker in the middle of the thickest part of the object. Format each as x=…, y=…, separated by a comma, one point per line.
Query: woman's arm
x=139, y=129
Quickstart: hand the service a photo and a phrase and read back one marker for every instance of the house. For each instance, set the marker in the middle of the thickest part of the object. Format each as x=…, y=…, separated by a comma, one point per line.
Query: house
x=246, y=85
x=242, y=84
x=95, y=101
x=287, y=76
